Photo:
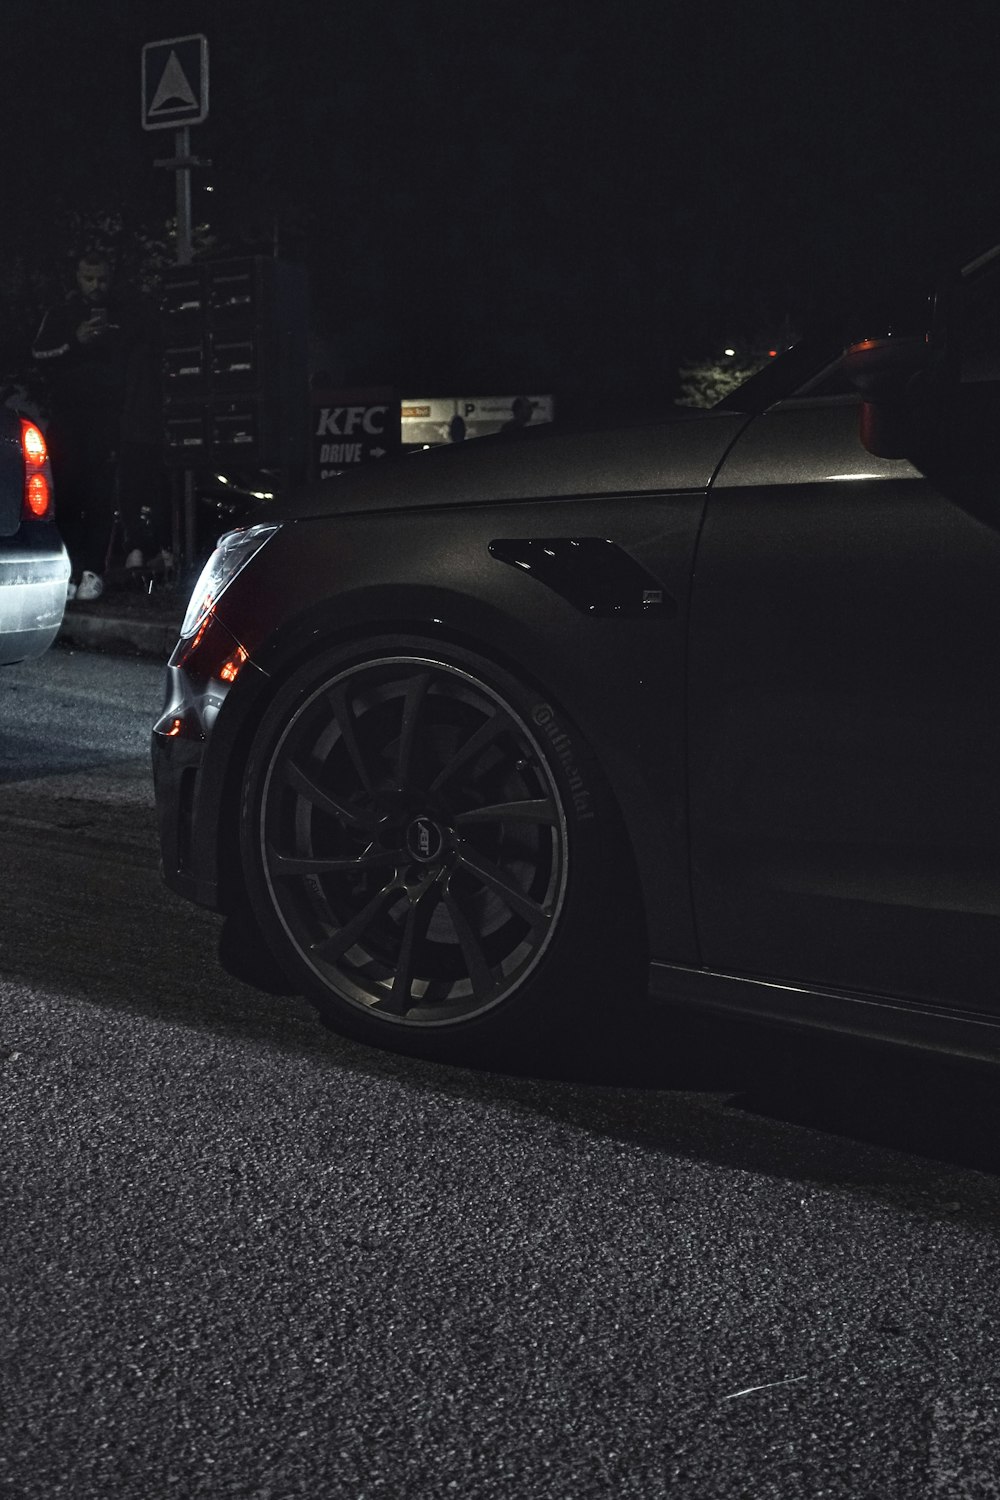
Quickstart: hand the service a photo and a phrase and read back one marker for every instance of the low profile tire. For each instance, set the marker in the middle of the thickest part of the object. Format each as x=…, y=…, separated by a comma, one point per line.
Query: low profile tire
x=433, y=857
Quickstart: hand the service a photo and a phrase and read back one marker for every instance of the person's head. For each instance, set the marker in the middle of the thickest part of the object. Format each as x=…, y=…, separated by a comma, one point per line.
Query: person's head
x=93, y=277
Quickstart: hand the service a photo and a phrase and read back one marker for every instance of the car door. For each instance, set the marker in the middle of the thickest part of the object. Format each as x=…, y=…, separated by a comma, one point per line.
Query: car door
x=844, y=745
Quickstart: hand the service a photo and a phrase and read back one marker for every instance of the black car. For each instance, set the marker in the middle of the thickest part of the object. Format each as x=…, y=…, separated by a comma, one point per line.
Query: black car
x=34, y=568
x=706, y=708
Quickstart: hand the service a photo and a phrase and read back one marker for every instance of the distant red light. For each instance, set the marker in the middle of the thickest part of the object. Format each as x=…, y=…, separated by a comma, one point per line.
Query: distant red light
x=772, y=353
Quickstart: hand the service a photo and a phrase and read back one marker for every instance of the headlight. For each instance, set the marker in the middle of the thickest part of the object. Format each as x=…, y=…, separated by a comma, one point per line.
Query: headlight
x=232, y=553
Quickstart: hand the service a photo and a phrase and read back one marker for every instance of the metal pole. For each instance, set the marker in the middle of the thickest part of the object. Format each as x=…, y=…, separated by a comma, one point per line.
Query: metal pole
x=185, y=249
x=182, y=149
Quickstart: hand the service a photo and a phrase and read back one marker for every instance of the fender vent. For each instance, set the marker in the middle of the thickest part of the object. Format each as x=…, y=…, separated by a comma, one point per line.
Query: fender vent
x=596, y=576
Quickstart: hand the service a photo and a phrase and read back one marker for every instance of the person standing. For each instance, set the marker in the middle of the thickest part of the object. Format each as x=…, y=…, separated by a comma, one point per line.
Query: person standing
x=141, y=488
x=78, y=349
x=522, y=408
x=98, y=349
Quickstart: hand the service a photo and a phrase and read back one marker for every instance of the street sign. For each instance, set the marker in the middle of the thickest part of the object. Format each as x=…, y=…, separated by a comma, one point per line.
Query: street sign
x=174, y=83
x=431, y=420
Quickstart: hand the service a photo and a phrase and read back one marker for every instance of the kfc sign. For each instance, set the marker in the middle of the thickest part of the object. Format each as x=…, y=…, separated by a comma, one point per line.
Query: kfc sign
x=352, y=427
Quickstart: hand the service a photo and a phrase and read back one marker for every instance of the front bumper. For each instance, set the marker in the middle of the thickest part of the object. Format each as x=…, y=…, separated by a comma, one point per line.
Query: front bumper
x=210, y=691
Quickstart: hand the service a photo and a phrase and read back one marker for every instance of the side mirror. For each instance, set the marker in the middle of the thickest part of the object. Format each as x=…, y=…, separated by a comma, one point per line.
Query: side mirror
x=887, y=372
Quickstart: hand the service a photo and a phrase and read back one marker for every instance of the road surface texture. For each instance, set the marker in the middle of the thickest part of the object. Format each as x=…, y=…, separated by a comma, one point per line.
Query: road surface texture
x=241, y=1257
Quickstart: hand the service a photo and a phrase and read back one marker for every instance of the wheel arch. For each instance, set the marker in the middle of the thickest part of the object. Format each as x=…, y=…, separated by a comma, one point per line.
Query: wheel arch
x=357, y=619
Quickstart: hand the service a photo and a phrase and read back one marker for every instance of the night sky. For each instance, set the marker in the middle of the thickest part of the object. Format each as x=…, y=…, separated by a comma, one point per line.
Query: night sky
x=555, y=197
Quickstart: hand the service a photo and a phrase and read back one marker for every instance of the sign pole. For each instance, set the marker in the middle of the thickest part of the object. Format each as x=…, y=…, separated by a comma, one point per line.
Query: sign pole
x=182, y=153
x=175, y=92
x=185, y=253
x=181, y=163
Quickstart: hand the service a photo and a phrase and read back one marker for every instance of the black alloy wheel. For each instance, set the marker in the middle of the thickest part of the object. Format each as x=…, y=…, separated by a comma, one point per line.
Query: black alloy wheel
x=421, y=836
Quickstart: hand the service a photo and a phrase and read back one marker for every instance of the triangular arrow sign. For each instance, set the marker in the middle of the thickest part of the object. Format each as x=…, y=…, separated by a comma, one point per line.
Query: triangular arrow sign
x=173, y=92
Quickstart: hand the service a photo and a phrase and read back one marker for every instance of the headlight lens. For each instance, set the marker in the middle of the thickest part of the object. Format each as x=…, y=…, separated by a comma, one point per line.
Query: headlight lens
x=232, y=553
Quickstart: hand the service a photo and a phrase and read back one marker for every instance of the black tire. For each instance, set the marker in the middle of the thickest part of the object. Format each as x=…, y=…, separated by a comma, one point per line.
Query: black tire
x=433, y=856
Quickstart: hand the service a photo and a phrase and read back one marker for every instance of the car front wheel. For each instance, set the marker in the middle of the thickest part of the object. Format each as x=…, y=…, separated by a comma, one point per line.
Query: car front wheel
x=432, y=854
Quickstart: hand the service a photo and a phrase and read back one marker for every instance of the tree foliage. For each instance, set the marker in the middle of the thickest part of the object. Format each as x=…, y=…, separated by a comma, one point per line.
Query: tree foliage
x=704, y=382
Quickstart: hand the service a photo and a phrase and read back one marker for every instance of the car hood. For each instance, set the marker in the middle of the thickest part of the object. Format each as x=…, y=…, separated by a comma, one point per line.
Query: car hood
x=679, y=454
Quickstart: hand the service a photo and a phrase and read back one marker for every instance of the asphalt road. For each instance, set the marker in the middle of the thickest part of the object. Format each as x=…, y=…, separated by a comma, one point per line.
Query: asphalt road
x=241, y=1257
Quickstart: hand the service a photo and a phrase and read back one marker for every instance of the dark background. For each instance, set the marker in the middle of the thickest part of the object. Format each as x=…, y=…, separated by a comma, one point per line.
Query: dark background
x=551, y=196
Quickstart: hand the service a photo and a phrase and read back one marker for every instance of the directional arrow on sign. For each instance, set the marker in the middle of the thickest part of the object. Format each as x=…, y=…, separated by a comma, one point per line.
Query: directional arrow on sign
x=173, y=92
x=174, y=82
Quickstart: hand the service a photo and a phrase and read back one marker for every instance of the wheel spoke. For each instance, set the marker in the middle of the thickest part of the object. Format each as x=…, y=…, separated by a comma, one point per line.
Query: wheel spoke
x=477, y=742
x=483, y=984
x=416, y=692
x=285, y=865
x=341, y=705
x=354, y=817
x=515, y=898
x=418, y=918
x=337, y=943
x=538, y=810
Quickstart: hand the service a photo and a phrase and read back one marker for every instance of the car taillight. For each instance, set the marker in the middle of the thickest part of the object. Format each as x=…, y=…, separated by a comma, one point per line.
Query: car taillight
x=37, y=494
x=37, y=471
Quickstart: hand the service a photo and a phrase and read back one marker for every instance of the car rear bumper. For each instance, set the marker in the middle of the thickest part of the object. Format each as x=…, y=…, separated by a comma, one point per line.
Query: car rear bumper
x=32, y=601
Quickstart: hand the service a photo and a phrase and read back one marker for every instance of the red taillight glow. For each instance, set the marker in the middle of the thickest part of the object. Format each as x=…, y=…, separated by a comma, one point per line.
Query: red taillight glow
x=229, y=670
x=33, y=444
x=191, y=646
x=37, y=474
x=37, y=494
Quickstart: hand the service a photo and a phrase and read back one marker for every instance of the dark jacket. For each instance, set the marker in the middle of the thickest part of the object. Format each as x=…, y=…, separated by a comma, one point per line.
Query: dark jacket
x=111, y=383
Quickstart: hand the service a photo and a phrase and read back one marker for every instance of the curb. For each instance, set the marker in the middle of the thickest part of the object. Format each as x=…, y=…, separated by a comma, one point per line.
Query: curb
x=119, y=635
